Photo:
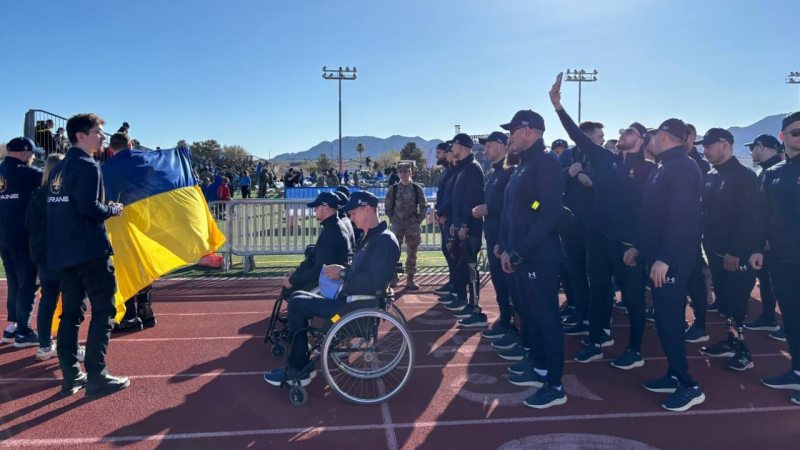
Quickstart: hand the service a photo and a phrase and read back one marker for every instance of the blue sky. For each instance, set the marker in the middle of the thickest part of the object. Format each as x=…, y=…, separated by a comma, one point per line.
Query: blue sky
x=249, y=72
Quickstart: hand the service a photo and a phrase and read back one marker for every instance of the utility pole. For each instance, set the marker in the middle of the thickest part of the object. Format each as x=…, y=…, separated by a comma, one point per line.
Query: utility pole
x=793, y=78
x=341, y=74
x=581, y=76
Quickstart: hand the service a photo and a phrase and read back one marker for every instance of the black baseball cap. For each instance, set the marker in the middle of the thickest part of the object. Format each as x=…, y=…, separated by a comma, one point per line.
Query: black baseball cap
x=767, y=140
x=715, y=135
x=790, y=119
x=443, y=146
x=326, y=199
x=641, y=129
x=342, y=197
x=496, y=136
x=675, y=127
x=525, y=118
x=461, y=139
x=23, y=144
x=343, y=189
x=559, y=143
x=360, y=198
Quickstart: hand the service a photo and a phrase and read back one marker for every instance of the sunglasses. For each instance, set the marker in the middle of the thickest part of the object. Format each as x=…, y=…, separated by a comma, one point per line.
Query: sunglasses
x=793, y=133
x=630, y=131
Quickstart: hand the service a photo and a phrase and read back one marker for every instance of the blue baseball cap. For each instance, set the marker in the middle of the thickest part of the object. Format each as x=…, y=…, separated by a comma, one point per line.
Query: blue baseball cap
x=23, y=144
x=325, y=199
x=767, y=140
x=461, y=139
x=359, y=199
x=559, y=143
x=496, y=136
x=525, y=118
x=715, y=135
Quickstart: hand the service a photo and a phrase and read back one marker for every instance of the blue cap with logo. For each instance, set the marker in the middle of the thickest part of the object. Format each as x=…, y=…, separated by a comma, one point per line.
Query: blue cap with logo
x=559, y=143
x=23, y=144
x=325, y=199
x=525, y=118
x=496, y=136
x=714, y=135
x=767, y=140
x=360, y=198
x=462, y=139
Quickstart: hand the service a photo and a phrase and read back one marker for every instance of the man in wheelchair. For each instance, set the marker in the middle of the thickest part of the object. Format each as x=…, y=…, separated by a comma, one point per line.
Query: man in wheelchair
x=373, y=266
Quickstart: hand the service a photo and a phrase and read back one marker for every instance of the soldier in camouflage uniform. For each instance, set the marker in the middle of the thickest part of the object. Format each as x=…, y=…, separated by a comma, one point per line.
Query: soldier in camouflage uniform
x=406, y=208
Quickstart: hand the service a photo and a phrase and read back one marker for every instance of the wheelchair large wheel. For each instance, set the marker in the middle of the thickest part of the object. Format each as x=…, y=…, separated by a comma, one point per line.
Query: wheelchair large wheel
x=368, y=356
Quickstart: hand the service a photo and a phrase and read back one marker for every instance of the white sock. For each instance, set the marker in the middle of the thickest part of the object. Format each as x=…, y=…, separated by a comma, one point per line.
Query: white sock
x=540, y=372
x=12, y=328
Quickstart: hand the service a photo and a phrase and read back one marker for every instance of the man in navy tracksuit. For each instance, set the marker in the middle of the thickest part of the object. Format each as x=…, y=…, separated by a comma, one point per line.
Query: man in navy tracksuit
x=619, y=183
x=491, y=211
x=531, y=249
x=669, y=234
x=730, y=200
x=780, y=219
x=766, y=151
x=443, y=208
x=466, y=230
x=18, y=181
x=80, y=249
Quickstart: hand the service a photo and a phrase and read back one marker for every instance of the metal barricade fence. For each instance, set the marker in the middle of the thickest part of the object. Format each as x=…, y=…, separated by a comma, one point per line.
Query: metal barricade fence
x=218, y=212
x=287, y=226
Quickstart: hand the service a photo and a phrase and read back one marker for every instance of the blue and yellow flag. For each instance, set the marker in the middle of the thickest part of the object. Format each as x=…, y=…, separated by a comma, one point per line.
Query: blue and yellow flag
x=166, y=223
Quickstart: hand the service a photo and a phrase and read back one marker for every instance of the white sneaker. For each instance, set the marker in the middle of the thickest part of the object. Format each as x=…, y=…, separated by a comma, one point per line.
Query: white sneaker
x=45, y=353
x=81, y=353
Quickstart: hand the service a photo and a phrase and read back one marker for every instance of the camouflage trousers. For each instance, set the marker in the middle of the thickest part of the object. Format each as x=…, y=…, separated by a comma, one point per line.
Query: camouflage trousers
x=408, y=230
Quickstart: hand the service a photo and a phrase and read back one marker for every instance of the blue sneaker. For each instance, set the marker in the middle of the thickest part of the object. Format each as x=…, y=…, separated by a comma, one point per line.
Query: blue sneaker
x=628, y=360
x=529, y=378
x=449, y=298
x=796, y=398
x=506, y=342
x=589, y=354
x=762, y=324
x=664, y=385
x=521, y=367
x=789, y=380
x=463, y=313
x=546, y=397
x=571, y=320
x=275, y=376
x=515, y=353
x=696, y=334
x=456, y=305
x=605, y=341
x=779, y=335
x=475, y=320
x=444, y=290
x=30, y=339
x=580, y=329
x=497, y=331
x=684, y=398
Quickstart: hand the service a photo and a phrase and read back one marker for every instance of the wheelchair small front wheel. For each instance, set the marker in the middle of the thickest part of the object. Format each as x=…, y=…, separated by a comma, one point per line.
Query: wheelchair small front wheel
x=298, y=395
x=278, y=351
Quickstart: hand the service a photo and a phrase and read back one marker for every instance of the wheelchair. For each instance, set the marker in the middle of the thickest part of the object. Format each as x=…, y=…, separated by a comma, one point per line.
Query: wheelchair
x=366, y=351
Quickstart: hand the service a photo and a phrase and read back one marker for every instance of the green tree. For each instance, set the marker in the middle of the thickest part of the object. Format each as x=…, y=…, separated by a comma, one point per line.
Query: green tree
x=324, y=163
x=2, y=150
x=360, y=149
x=411, y=152
x=206, y=149
x=182, y=143
x=234, y=151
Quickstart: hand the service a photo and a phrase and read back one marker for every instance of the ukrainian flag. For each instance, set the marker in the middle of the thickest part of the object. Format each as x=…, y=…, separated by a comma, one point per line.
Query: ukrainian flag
x=166, y=223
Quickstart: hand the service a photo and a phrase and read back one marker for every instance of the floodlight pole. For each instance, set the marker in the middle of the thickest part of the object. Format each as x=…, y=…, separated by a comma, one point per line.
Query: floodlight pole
x=581, y=76
x=341, y=74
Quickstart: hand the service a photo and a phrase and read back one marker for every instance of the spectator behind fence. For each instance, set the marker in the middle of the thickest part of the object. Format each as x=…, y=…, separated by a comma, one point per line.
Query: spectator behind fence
x=244, y=183
x=224, y=192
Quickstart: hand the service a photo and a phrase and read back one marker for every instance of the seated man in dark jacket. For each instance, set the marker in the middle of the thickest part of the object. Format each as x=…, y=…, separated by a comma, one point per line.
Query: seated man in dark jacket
x=371, y=271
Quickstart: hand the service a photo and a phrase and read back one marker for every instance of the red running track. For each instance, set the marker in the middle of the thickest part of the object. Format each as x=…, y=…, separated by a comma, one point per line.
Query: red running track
x=197, y=384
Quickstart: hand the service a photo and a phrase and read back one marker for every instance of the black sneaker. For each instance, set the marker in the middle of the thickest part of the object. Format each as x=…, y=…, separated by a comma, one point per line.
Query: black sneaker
x=788, y=380
x=722, y=349
x=516, y=353
x=475, y=320
x=796, y=399
x=546, y=397
x=446, y=299
x=506, y=342
x=9, y=336
x=529, y=378
x=762, y=324
x=580, y=329
x=620, y=305
x=72, y=387
x=713, y=307
x=779, y=335
x=521, y=367
x=497, y=331
x=589, y=354
x=145, y=313
x=606, y=341
x=567, y=310
x=30, y=339
x=444, y=290
x=664, y=385
x=456, y=305
x=650, y=315
x=683, y=399
x=695, y=334
x=572, y=319
x=106, y=386
x=628, y=360
x=127, y=326
x=741, y=361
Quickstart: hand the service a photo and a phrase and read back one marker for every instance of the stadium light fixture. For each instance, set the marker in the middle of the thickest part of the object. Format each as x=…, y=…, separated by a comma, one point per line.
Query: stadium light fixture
x=581, y=76
x=346, y=74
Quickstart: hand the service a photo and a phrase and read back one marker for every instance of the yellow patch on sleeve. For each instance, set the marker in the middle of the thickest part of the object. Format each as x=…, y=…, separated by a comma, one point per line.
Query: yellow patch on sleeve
x=335, y=318
x=535, y=205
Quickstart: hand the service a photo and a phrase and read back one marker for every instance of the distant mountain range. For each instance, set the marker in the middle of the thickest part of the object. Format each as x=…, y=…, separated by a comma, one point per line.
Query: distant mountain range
x=373, y=146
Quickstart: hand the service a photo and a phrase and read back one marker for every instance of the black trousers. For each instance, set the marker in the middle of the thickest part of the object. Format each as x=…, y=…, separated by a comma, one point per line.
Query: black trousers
x=576, y=274
x=445, y=232
x=786, y=285
x=304, y=306
x=605, y=262
x=96, y=280
x=537, y=286
x=51, y=288
x=669, y=302
x=245, y=191
x=461, y=275
x=21, y=279
x=765, y=288
x=732, y=289
x=500, y=281
x=698, y=291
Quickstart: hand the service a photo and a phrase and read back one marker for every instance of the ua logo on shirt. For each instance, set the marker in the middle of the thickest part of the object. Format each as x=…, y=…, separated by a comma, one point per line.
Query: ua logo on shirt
x=670, y=280
x=531, y=275
x=776, y=181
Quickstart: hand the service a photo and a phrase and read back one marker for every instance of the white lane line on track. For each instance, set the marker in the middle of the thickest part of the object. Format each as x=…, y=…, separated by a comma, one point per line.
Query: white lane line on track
x=16, y=443
x=419, y=366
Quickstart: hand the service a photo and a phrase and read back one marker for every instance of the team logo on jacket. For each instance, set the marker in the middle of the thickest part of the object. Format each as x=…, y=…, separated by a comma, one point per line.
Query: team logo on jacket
x=531, y=275
x=670, y=280
x=55, y=186
x=708, y=184
x=3, y=184
x=778, y=180
x=630, y=173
